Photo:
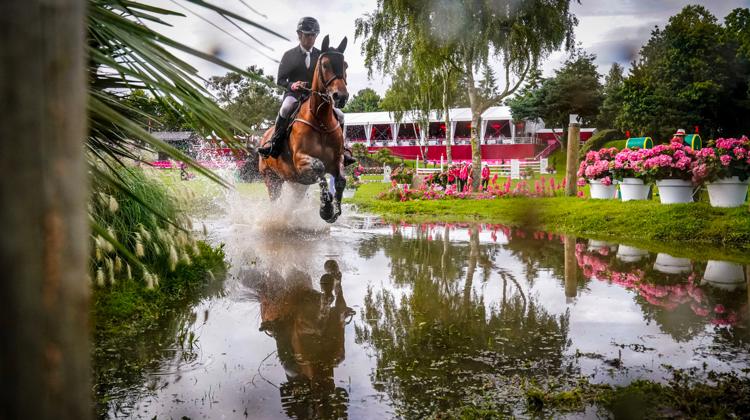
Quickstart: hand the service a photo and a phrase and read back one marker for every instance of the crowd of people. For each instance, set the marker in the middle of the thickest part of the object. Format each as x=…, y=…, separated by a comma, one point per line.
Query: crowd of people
x=461, y=175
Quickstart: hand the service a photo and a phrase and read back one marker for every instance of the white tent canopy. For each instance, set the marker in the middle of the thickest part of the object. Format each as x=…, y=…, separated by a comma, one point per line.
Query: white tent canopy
x=369, y=119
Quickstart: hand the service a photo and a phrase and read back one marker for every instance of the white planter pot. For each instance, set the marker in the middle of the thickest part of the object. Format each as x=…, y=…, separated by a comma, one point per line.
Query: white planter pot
x=601, y=191
x=724, y=275
x=673, y=191
x=634, y=189
x=668, y=264
x=728, y=192
x=627, y=253
x=596, y=245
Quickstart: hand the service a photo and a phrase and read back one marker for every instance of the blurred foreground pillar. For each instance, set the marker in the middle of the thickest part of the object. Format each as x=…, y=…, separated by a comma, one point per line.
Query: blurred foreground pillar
x=44, y=349
x=571, y=268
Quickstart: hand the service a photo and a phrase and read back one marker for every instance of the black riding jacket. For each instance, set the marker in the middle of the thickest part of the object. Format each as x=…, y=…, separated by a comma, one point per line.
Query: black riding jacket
x=292, y=69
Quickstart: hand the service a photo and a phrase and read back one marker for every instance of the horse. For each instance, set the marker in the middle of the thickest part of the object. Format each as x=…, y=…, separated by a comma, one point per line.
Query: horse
x=316, y=141
x=309, y=328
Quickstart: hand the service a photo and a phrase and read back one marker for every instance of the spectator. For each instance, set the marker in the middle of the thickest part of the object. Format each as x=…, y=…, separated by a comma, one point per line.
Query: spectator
x=485, y=177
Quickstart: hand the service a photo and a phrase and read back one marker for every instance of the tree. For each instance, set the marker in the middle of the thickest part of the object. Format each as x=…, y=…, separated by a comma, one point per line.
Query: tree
x=575, y=89
x=254, y=101
x=466, y=36
x=366, y=100
x=421, y=91
x=691, y=73
x=613, y=99
x=156, y=113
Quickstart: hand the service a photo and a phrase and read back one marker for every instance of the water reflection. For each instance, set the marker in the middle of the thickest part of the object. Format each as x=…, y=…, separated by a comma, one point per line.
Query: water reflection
x=435, y=344
x=308, y=328
x=446, y=313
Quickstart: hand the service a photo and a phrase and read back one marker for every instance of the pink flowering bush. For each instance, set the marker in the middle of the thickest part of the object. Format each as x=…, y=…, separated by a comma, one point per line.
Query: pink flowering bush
x=597, y=164
x=668, y=161
x=724, y=158
x=542, y=187
x=631, y=163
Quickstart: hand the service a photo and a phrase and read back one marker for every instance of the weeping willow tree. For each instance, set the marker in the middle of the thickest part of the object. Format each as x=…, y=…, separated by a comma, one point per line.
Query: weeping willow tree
x=511, y=36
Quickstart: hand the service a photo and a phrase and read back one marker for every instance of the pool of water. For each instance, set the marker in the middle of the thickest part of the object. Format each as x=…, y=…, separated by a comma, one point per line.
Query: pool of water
x=373, y=320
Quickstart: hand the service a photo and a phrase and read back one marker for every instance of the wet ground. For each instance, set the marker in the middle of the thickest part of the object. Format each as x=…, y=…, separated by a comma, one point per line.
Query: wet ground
x=368, y=320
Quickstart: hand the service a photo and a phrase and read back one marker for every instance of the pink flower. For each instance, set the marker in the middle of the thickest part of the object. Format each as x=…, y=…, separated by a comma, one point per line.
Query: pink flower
x=580, y=194
x=606, y=181
x=725, y=160
x=581, y=182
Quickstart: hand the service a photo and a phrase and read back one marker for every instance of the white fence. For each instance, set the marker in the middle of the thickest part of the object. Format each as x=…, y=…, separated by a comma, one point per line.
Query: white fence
x=513, y=169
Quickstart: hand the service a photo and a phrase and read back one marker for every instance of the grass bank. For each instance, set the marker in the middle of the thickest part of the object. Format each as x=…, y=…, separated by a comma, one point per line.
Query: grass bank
x=694, y=230
x=685, y=395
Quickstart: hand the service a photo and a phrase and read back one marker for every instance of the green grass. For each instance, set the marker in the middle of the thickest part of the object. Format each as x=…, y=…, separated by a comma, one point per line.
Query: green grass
x=684, y=396
x=693, y=230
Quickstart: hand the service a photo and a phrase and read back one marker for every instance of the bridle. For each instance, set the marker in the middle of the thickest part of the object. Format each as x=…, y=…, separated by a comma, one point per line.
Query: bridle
x=335, y=75
x=324, y=96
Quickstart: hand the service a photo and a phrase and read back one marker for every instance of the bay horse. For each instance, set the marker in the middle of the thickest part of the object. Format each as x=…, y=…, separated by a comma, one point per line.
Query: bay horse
x=316, y=142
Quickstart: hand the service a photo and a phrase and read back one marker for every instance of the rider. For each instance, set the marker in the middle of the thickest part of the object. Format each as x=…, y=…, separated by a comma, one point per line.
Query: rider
x=296, y=72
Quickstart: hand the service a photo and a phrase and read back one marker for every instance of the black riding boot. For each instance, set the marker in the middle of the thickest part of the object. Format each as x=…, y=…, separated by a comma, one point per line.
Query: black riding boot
x=277, y=140
x=348, y=158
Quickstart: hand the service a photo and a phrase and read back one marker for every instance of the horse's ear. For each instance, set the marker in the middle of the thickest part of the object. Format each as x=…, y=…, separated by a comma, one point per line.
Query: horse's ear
x=324, y=47
x=342, y=46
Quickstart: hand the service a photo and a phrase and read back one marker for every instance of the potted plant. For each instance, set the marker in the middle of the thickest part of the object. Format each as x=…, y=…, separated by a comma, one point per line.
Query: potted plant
x=725, y=168
x=668, y=264
x=627, y=253
x=724, y=275
x=629, y=170
x=671, y=166
x=596, y=168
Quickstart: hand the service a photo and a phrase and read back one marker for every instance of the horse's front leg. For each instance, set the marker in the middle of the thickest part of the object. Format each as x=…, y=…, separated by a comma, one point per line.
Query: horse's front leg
x=339, y=181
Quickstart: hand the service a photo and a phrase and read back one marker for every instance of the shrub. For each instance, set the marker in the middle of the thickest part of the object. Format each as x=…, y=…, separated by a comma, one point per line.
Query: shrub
x=403, y=175
x=724, y=158
x=142, y=234
x=597, y=165
x=668, y=161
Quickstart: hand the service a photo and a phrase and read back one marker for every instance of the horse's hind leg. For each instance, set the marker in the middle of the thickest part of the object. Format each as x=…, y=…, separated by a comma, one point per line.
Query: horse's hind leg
x=273, y=184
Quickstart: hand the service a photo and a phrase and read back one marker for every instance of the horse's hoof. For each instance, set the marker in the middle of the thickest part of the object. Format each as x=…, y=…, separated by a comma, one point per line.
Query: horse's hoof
x=327, y=213
x=332, y=219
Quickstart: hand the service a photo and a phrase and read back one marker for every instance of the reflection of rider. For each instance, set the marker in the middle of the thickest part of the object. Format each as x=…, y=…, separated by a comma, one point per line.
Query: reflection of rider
x=308, y=327
x=296, y=72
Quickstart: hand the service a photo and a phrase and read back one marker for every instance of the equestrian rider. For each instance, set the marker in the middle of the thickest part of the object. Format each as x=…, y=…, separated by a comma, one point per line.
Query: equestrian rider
x=296, y=72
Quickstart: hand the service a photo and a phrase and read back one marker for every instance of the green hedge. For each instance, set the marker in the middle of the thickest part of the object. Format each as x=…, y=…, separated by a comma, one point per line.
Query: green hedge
x=600, y=140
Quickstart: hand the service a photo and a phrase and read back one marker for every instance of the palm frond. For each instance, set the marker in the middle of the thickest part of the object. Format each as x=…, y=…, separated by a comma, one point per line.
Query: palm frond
x=126, y=54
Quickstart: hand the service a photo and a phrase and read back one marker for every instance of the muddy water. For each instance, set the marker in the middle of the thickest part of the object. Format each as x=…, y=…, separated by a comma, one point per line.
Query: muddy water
x=368, y=320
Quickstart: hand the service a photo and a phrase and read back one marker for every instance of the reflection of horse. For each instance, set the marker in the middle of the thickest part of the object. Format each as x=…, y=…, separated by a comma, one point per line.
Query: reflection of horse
x=316, y=141
x=308, y=327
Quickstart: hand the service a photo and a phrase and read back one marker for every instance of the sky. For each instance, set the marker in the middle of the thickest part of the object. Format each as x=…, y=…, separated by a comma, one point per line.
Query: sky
x=614, y=30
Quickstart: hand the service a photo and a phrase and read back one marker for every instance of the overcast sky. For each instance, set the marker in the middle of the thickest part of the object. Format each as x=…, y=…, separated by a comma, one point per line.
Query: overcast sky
x=612, y=29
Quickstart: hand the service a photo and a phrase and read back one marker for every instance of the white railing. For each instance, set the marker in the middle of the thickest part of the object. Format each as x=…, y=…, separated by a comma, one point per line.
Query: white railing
x=503, y=169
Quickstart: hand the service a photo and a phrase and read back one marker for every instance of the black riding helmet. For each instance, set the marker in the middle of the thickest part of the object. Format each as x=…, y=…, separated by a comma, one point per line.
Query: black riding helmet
x=308, y=25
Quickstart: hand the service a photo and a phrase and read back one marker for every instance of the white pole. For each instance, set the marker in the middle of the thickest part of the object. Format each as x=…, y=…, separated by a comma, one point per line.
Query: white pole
x=441, y=163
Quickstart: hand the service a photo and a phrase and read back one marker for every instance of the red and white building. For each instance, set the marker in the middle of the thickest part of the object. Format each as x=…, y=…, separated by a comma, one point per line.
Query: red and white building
x=500, y=137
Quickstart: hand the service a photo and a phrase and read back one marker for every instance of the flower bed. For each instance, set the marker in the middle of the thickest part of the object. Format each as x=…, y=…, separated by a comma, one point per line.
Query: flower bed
x=434, y=190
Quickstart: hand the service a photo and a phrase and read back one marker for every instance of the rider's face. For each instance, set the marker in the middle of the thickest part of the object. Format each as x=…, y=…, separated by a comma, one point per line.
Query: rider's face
x=306, y=41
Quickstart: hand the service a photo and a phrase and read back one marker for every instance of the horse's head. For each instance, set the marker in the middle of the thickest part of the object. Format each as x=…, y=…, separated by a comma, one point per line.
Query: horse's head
x=331, y=72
